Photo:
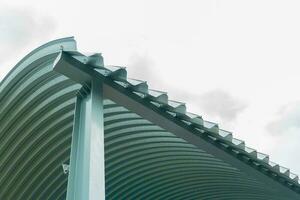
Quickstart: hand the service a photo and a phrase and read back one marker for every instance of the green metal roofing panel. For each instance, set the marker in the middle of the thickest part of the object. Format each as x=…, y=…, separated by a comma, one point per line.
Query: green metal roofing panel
x=154, y=149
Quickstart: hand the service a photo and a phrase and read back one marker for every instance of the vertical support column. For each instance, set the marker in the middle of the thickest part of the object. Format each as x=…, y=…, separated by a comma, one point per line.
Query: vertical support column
x=87, y=176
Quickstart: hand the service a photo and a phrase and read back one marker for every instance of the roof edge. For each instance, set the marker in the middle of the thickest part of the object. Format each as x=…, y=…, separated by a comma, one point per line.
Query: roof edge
x=68, y=43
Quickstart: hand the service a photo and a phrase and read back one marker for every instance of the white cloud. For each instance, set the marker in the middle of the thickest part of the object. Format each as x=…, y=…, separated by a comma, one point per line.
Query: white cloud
x=217, y=103
x=140, y=66
x=248, y=49
x=287, y=120
x=285, y=130
x=221, y=104
x=20, y=27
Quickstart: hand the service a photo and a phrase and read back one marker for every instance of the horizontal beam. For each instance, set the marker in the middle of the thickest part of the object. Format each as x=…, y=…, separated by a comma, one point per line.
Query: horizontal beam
x=146, y=110
x=74, y=69
x=82, y=73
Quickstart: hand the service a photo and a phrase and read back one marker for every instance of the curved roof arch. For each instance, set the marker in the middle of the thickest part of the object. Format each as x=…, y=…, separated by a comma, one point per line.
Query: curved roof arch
x=154, y=149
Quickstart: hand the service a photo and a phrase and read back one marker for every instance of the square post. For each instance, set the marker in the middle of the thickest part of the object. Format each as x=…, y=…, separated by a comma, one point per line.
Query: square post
x=86, y=179
x=87, y=171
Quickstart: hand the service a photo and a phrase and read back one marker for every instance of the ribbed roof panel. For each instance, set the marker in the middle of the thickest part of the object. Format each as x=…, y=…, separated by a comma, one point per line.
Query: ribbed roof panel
x=143, y=160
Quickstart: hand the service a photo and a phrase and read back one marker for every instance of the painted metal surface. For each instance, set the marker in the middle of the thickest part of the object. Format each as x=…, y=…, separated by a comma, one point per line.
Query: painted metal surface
x=144, y=159
x=86, y=178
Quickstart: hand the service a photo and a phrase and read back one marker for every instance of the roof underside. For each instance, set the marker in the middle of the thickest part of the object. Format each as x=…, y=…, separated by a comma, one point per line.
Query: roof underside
x=143, y=160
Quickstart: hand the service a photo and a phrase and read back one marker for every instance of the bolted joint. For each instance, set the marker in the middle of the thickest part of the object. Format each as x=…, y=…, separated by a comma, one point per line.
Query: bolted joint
x=66, y=168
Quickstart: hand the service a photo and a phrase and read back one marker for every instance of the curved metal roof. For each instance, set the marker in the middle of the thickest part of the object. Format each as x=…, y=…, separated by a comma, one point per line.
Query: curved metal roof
x=154, y=149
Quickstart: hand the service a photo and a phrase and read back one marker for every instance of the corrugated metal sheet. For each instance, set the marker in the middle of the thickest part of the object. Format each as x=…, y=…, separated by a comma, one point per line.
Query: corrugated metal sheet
x=143, y=160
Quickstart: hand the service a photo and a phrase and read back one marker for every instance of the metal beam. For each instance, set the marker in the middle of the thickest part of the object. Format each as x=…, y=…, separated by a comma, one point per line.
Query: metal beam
x=148, y=111
x=145, y=109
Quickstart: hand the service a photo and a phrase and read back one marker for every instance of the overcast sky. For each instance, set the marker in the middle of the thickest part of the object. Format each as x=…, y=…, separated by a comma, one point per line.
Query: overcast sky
x=233, y=62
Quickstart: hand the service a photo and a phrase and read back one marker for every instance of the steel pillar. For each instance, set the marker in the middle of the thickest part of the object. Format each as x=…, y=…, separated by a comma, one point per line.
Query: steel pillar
x=86, y=179
x=86, y=175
